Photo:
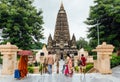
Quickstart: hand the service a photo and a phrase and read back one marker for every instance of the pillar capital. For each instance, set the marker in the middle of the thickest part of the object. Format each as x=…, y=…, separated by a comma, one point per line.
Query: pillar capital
x=6, y=48
x=104, y=48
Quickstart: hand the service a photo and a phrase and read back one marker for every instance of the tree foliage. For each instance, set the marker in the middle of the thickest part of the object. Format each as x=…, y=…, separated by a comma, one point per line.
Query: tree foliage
x=81, y=43
x=37, y=45
x=115, y=60
x=21, y=23
x=106, y=15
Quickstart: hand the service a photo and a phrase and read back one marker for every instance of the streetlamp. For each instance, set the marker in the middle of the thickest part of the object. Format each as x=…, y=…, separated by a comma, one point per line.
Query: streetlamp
x=98, y=33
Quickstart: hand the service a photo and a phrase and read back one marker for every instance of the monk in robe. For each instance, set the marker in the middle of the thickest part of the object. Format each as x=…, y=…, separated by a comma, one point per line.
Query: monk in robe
x=22, y=66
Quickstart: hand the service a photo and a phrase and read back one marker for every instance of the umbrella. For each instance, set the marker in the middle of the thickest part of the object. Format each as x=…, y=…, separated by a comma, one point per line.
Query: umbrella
x=25, y=52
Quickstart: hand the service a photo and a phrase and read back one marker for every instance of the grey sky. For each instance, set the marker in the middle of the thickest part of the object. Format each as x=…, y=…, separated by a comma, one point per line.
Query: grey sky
x=77, y=12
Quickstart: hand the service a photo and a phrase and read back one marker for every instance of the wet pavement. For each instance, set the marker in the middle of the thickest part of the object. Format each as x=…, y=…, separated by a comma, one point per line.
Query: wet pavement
x=91, y=77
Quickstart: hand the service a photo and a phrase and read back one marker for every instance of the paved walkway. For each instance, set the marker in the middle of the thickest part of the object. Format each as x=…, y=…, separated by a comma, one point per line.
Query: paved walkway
x=91, y=77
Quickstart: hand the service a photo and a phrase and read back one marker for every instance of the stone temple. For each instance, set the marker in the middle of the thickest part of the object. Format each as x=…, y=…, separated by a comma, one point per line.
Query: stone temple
x=61, y=44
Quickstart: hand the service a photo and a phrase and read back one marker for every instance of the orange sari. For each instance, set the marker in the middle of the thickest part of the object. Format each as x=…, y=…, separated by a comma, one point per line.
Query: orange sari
x=22, y=66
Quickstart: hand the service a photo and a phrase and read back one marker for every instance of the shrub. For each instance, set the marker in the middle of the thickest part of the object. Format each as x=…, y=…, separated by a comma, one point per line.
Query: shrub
x=30, y=69
x=1, y=60
x=76, y=68
x=94, y=57
x=115, y=60
x=88, y=67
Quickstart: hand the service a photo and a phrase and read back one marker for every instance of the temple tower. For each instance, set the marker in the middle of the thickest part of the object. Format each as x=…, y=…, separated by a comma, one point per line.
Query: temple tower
x=61, y=27
x=61, y=44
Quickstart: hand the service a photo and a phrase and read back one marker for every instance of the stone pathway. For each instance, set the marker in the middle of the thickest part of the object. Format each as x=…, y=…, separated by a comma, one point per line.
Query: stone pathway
x=61, y=63
x=116, y=72
x=91, y=77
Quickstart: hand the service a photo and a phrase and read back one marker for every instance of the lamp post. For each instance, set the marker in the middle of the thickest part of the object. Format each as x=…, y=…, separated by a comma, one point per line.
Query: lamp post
x=98, y=33
x=1, y=39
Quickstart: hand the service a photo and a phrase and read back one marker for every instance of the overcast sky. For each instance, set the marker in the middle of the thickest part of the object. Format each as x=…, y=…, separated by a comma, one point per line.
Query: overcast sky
x=77, y=12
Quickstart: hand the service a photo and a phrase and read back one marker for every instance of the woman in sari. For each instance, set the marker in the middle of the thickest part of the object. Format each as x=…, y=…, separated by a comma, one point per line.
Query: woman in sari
x=68, y=66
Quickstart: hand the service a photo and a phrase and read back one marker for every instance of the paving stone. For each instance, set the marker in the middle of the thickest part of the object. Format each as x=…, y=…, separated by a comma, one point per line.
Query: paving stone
x=91, y=77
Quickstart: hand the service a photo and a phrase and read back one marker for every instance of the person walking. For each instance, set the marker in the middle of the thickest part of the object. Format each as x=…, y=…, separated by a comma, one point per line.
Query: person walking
x=68, y=66
x=50, y=62
x=83, y=63
x=22, y=66
x=57, y=65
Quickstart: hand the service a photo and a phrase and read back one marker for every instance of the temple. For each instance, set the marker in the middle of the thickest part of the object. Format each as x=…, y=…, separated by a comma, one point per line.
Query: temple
x=61, y=44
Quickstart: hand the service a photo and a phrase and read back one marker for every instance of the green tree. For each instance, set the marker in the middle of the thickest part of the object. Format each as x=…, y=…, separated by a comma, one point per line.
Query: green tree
x=21, y=23
x=37, y=45
x=106, y=15
x=82, y=43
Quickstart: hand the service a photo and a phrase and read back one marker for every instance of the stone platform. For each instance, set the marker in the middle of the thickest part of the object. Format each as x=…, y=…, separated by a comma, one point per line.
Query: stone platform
x=89, y=77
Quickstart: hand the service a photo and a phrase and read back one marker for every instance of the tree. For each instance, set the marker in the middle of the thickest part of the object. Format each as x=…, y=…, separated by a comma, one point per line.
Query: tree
x=105, y=15
x=82, y=43
x=37, y=45
x=21, y=23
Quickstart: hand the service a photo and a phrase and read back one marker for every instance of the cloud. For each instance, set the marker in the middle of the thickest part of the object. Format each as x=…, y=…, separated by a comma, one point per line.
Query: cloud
x=77, y=12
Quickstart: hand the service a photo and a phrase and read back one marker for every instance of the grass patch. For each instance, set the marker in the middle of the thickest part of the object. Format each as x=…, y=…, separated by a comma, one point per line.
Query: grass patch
x=89, y=66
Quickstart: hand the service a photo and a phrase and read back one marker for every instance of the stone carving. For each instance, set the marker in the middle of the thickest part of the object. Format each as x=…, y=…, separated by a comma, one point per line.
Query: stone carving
x=102, y=64
x=9, y=53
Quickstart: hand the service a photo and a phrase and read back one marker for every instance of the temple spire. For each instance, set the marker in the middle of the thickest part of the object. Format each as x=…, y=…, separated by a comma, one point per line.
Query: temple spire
x=61, y=7
x=61, y=27
x=61, y=44
x=73, y=38
x=73, y=41
x=49, y=41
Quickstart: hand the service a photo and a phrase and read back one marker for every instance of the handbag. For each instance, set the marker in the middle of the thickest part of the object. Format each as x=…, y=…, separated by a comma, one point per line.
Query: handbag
x=17, y=74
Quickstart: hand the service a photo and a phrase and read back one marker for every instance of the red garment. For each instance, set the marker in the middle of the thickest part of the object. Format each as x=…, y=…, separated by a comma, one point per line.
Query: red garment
x=83, y=59
x=66, y=70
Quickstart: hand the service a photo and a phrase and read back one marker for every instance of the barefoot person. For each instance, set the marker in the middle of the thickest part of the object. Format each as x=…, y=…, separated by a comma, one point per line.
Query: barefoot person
x=22, y=66
x=68, y=66
x=83, y=63
x=50, y=62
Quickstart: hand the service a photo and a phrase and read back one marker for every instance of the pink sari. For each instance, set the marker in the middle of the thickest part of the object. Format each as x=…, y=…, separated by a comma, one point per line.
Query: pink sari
x=66, y=70
x=68, y=67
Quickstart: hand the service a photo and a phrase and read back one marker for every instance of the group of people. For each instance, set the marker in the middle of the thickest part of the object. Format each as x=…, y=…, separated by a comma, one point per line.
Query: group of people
x=68, y=67
x=69, y=64
x=49, y=61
